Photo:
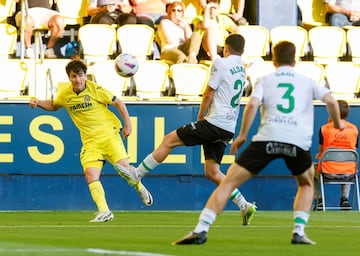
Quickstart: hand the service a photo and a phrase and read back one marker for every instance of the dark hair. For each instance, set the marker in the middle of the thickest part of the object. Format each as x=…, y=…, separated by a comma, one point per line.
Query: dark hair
x=235, y=42
x=76, y=66
x=344, y=109
x=284, y=53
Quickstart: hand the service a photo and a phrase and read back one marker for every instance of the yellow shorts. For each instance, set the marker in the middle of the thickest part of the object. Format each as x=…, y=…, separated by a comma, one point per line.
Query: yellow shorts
x=109, y=147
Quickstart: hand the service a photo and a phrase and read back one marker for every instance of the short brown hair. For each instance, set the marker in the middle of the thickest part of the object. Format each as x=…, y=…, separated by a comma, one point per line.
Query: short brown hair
x=284, y=52
x=76, y=66
x=344, y=109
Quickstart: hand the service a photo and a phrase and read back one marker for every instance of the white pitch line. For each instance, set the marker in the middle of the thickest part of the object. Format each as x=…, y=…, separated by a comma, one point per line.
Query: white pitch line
x=65, y=251
x=129, y=253
x=165, y=226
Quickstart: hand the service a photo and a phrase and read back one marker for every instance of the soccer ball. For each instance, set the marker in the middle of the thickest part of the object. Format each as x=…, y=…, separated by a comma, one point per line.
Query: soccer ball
x=126, y=65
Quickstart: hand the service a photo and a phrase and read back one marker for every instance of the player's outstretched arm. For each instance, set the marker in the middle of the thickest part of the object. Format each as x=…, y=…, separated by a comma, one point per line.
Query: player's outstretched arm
x=121, y=107
x=44, y=104
x=246, y=122
x=333, y=109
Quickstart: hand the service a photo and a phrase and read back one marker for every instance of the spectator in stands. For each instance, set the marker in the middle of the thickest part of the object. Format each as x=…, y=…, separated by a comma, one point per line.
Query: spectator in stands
x=343, y=13
x=193, y=9
x=175, y=37
x=87, y=104
x=332, y=137
x=234, y=9
x=285, y=133
x=149, y=12
x=214, y=28
x=111, y=12
x=214, y=127
x=40, y=14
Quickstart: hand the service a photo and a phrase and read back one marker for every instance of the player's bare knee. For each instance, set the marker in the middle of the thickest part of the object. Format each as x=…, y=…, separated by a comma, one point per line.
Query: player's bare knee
x=171, y=140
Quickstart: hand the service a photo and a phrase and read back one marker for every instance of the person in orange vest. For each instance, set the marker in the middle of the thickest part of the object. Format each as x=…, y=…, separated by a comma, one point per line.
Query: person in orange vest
x=331, y=137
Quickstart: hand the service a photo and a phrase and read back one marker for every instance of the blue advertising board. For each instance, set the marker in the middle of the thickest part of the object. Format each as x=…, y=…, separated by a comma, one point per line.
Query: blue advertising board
x=39, y=162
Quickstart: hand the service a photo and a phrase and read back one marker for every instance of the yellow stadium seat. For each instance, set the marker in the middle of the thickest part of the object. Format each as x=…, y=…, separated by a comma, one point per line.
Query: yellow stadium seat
x=311, y=69
x=190, y=80
x=192, y=10
x=256, y=42
x=73, y=12
x=343, y=79
x=7, y=9
x=294, y=34
x=98, y=41
x=151, y=80
x=328, y=43
x=313, y=13
x=353, y=39
x=8, y=35
x=47, y=77
x=13, y=82
x=104, y=74
x=258, y=69
x=136, y=39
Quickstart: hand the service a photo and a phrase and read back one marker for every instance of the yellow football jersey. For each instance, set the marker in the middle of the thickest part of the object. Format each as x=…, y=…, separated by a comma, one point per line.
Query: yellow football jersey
x=89, y=110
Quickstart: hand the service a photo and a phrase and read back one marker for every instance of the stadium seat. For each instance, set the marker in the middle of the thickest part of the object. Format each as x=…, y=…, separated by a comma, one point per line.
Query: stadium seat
x=151, y=80
x=7, y=9
x=257, y=70
x=104, y=74
x=328, y=43
x=136, y=39
x=307, y=68
x=353, y=39
x=311, y=69
x=8, y=35
x=338, y=155
x=13, y=82
x=294, y=34
x=73, y=12
x=189, y=80
x=343, y=79
x=97, y=41
x=257, y=42
x=313, y=13
x=192, y=10
x=47, y=77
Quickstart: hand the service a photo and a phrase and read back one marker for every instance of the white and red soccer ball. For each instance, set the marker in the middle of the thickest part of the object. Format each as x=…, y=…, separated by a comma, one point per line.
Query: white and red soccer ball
x=126, y=65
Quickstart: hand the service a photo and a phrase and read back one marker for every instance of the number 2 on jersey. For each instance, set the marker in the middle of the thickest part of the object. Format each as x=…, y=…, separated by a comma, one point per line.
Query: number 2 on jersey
x=234, y=99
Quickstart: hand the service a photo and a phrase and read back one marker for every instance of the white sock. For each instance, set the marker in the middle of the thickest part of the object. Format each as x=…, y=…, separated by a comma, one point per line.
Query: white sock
x=300, y=220
x=345, y=190
x=148, y=164
x=238, y=199
x=206, y=219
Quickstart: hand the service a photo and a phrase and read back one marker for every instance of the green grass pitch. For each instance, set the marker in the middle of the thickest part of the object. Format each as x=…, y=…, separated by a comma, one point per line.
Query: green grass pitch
x=150, y=233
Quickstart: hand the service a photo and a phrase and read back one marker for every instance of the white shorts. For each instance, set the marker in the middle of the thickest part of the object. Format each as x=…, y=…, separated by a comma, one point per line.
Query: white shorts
x=40, y=15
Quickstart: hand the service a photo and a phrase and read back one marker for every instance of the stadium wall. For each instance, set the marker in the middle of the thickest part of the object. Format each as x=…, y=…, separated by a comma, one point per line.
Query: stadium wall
x=40, y=168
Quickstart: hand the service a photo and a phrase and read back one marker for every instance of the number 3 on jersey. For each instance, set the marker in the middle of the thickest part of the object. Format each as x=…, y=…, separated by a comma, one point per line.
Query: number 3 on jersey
x=288, y=97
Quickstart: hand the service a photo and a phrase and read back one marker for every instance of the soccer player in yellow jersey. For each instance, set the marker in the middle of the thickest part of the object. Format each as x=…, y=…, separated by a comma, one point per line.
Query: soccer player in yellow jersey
x=87, y=104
